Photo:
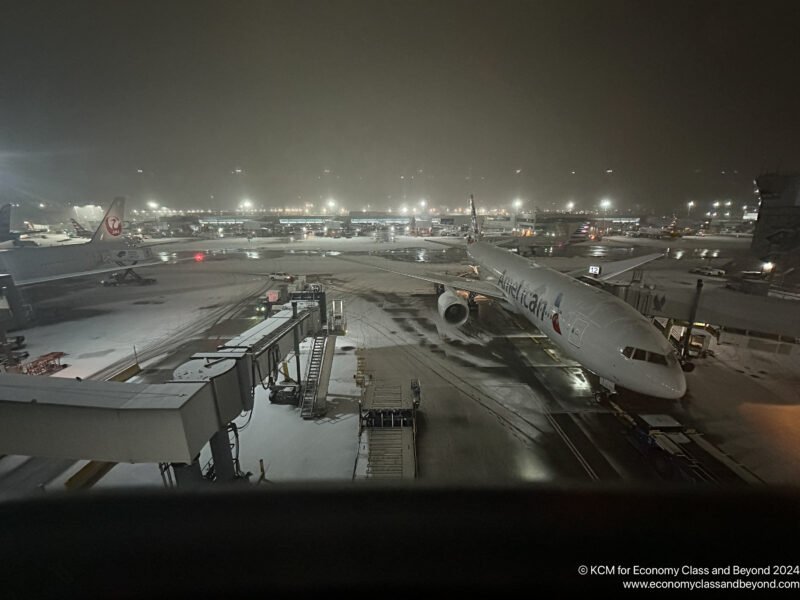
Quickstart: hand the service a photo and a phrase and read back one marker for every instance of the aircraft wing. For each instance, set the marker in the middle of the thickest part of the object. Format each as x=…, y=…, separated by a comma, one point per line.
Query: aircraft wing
x=484, y=288
x=92, y=272
x=609, y=270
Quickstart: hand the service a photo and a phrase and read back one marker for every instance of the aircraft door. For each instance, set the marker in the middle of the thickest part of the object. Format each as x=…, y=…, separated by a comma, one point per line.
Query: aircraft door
x=576, y=332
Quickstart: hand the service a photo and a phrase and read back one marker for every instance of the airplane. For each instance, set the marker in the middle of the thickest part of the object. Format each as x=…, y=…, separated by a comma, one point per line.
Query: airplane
x=593, y=327
x=32, y=236
x=105, y=252
x=80, y=230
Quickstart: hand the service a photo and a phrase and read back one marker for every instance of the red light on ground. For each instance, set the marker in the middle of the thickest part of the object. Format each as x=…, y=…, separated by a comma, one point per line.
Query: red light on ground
x=199, y=257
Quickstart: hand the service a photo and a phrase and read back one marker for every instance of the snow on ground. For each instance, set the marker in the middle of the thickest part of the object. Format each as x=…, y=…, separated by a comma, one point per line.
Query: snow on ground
x=295, y=449
x=291, y=447
x=775, y=365
x=96, y=342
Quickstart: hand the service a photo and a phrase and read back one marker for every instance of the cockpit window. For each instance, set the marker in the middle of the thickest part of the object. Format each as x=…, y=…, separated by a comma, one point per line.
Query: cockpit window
x=639, y=354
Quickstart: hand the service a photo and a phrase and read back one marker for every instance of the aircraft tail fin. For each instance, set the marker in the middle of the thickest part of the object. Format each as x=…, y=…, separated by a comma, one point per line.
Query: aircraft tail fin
x=5, y=222
x=476, y=232
x=80, y=230
x=110, y=228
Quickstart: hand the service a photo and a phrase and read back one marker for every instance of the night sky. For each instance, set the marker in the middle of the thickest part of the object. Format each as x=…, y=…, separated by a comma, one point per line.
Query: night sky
x=430, y=100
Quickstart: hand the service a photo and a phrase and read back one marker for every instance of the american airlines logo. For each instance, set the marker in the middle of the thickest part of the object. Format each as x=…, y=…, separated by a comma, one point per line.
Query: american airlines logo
x=533, y=302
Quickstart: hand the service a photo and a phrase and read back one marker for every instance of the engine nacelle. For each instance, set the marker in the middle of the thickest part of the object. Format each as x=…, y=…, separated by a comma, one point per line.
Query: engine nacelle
x=453, y=308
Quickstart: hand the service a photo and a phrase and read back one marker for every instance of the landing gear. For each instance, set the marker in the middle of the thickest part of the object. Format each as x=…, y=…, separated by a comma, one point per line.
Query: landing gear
x=602, y=396
x=471, y=301
x=607, y=389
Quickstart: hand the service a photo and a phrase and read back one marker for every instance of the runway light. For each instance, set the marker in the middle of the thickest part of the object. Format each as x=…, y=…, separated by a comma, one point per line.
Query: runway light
x=199, y=257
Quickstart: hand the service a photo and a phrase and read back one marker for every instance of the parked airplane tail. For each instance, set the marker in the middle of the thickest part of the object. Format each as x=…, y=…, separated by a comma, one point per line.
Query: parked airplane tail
x=5, y=223
x=110, y=228
x=80, y=230
x=476, y=232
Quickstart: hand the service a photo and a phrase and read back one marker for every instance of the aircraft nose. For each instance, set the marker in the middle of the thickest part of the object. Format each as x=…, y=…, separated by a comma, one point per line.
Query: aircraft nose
x=660, y=383
x=674, y=385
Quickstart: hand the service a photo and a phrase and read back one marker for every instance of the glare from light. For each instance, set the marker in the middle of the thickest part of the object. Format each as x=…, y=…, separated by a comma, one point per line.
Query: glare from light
x=715, y=205
x=517, y=203
x=570, y=205
x=331, y=202
x=605, y=204
x=423, y=203
x=767, y=267
x=247, y=203
x=152, y=204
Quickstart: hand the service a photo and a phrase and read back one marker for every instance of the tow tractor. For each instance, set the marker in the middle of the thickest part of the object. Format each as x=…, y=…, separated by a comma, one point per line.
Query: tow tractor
x=128, y=276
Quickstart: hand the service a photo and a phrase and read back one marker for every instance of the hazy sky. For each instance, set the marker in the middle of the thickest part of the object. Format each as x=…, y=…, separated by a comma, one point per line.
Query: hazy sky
x=458, y=95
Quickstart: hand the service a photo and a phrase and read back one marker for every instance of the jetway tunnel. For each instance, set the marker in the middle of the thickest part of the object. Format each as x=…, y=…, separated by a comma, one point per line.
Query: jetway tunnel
x=153, y=423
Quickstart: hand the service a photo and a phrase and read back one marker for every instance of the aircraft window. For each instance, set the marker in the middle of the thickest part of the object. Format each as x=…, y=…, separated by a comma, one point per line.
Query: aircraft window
x=639, y=354
x=659, y=359
x=627, y=352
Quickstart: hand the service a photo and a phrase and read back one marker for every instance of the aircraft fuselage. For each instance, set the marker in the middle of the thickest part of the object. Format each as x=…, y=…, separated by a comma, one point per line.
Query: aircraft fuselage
x=600, y=331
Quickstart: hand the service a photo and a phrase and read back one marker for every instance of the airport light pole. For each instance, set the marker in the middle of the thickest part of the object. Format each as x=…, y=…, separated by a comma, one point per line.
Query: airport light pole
x=153, y=206
x=689, y=206
x=517, y=206
x=605, y=204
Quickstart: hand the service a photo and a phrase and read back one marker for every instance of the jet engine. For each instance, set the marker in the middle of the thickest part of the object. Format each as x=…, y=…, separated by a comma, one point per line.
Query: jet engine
x=453, y=308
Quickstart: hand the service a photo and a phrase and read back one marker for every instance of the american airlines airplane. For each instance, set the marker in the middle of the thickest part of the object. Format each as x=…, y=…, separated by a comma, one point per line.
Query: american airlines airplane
x=600, y=331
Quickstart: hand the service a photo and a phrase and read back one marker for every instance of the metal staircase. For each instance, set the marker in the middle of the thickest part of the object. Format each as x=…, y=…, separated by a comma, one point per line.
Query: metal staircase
x=309, y=400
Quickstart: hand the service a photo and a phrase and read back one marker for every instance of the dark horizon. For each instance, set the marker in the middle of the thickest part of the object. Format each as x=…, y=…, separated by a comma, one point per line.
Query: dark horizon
x=385, y=103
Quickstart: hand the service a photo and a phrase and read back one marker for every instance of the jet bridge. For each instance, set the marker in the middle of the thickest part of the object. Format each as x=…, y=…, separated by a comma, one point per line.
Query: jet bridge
x=158, y=423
